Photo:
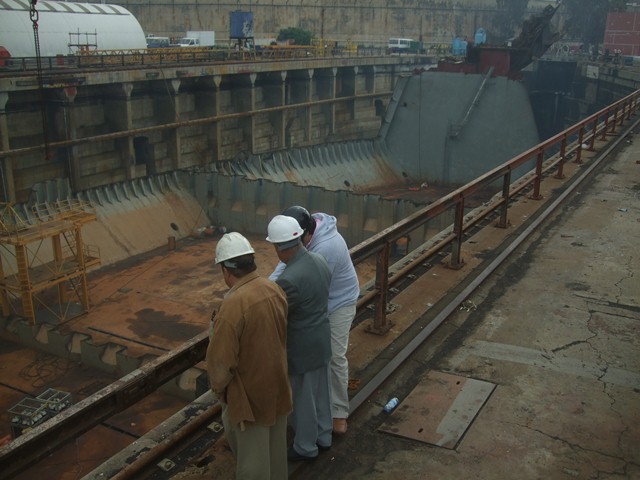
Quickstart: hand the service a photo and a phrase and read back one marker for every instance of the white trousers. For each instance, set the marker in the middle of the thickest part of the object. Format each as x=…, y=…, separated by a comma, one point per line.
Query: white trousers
x=340, y=321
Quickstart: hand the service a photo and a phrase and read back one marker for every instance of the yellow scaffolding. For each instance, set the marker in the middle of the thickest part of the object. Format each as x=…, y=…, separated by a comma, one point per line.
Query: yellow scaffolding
x=41, y=279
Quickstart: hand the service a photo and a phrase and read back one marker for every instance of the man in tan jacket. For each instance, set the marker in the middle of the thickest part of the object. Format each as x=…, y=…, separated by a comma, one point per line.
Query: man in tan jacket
x=247, y=363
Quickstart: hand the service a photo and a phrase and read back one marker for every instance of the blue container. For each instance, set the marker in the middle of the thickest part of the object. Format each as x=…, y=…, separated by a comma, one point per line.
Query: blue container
x=481, y=36
x=241, y=24
x=393, y=403
x=459, y=46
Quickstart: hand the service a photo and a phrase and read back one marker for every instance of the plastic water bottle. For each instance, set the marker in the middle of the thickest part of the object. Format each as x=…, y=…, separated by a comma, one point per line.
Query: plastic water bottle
x=393, y=403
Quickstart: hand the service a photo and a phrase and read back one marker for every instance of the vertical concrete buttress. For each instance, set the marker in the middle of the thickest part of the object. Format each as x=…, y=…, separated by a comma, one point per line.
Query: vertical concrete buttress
x=205, y=106
x=175, y=142
x=273, y=95
x=8, y=190
x=370, y=81
x=217, y=80
x=167, y=109
x=309, y=109
x=239, y=132
x=332, y=105
x=119, y=114
x=326, y=90
x=252, y=107
x=352, y=89
x=281, y=114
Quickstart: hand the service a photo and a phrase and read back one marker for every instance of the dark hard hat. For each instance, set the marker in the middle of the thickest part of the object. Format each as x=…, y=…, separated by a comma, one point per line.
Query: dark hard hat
x=304, y=218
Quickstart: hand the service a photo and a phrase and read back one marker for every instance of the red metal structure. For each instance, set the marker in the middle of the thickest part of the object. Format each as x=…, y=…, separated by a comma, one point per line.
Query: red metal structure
x=623, y=33
x=508, y=61
x=481, y=59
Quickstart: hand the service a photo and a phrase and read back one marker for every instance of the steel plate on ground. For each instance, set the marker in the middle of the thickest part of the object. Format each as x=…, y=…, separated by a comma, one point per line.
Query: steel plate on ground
x=439, y=410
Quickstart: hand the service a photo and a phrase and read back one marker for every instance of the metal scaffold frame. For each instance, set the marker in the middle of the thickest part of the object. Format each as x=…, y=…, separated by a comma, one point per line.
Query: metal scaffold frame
x=39, y=279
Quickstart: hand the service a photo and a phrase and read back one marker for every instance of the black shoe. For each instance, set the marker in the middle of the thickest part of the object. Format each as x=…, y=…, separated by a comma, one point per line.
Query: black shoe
x=294, y=456
x=323, y=448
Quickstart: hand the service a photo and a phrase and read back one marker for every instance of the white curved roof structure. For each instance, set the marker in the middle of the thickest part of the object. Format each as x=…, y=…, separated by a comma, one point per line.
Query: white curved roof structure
x=65, y=27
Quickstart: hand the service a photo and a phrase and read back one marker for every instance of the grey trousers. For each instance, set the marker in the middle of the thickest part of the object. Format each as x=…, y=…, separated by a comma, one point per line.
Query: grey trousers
x=311, y=418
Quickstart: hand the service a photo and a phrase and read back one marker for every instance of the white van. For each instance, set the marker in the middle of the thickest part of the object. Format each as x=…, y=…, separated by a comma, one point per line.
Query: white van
x=399, y=45
x=189, y=42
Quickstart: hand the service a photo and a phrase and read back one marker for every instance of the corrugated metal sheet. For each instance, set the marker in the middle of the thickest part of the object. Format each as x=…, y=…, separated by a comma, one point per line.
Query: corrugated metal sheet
x=134, y=217
x=63, y=26
x=354, y=166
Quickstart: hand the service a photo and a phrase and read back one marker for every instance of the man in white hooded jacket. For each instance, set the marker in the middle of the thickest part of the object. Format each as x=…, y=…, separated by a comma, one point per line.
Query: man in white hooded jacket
x=321, y=236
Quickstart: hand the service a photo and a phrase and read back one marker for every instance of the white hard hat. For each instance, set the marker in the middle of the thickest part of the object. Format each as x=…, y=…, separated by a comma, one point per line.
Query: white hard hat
x=283, y=229
x=232, y=245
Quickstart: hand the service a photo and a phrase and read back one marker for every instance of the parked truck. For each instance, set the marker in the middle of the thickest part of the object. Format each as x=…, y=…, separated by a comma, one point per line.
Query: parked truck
x=198, y=38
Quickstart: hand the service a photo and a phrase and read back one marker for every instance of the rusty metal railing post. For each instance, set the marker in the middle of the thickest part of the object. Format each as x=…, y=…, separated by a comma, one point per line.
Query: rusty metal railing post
x=615, y=120
x=594, y=132
x=380, y=324
x=538, y=178
x=506, y=183
x=578, y=159
x=623, y=114
x=458, y=230
x=563, y=151
x=606, y=126
x=629, y=106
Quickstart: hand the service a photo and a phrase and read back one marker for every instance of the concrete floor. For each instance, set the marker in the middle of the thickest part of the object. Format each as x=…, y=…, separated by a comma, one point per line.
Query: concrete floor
x=555, y=331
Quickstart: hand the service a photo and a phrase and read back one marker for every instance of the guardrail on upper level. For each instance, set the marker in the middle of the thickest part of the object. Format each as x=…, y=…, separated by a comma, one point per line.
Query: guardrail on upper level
x=184, y=55
x=548, y=155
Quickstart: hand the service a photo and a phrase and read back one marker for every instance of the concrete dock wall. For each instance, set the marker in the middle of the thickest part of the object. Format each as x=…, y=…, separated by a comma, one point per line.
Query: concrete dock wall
x=366, y=23
x=245, y=205
x=120, y=125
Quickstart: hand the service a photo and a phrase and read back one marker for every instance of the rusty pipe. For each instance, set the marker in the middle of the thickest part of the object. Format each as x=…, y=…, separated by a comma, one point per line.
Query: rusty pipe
x=133, y=469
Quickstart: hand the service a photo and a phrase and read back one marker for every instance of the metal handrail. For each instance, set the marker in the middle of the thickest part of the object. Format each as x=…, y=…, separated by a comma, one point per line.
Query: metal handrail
x=576, y=138
x=165, y=56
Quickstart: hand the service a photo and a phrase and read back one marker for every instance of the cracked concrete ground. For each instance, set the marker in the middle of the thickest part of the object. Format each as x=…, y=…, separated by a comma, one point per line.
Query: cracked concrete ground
x=558, y=332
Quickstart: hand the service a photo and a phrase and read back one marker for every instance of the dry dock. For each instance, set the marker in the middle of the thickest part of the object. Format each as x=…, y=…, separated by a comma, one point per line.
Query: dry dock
x=553, y=334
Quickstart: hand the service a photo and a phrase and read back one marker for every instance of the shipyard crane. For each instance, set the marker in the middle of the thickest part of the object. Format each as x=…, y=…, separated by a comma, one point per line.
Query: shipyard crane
x=33, y=12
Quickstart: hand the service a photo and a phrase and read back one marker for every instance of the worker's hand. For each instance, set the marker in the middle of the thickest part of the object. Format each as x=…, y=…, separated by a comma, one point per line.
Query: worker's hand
x=221, y=396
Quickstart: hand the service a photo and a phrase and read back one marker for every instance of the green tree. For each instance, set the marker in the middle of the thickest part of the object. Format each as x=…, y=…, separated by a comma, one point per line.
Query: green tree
x=298, y=35
x=585, y=20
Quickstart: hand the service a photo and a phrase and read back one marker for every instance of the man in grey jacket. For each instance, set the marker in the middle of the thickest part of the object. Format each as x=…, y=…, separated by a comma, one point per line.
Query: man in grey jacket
x=321, y=236
x=305, y=280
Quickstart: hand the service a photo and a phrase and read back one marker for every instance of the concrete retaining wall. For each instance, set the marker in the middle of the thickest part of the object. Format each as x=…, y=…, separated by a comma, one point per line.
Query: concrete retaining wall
x=368, y=23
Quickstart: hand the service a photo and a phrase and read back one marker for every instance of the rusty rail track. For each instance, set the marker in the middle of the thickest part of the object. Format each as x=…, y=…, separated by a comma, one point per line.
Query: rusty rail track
x=547, y=158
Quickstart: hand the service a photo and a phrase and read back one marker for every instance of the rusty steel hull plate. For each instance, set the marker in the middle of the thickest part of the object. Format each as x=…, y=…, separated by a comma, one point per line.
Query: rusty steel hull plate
x=439, y=410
